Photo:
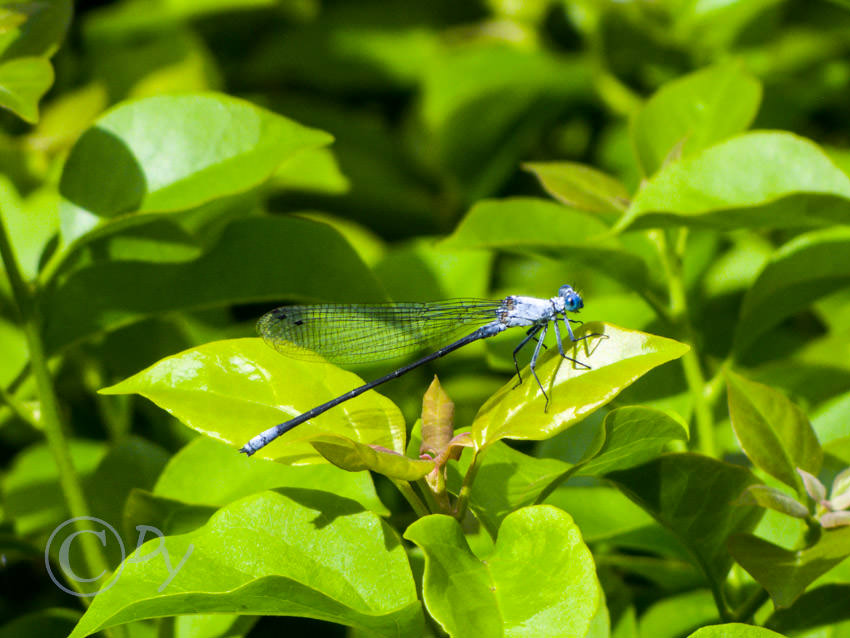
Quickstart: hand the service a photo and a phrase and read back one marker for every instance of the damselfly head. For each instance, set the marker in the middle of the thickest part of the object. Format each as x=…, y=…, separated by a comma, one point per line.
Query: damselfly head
x=572, y=300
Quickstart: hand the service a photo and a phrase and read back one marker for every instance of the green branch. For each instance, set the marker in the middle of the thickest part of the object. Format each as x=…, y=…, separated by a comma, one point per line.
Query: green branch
x=50, y=417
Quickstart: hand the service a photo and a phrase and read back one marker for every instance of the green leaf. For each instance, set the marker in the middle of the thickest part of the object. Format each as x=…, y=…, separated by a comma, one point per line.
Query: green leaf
x=485, y=106
x=34, y=29
x=506, y=481
x=23, y=81
x=734, y=630
x=772, y=498
x=694, y=496
x=186, y=477
x=32, y=494
x=631, y=435
x=801, y=271
x=517, y=412
x=694, y=112
x=773, y=432
x=820, y=607
x=523, y=224
x=539, y=580
x=287, y=554
x=765, y=179
x=174, y=152
x=674, y=615
x=233, y=390
x=48, y=622
x=580, y=186
x=785, y=573
x=355, y=457
x=253, y=259
x=31, y=223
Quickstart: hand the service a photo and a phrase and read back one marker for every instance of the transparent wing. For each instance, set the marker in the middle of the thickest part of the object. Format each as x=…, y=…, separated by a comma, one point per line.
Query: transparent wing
x=360, y=333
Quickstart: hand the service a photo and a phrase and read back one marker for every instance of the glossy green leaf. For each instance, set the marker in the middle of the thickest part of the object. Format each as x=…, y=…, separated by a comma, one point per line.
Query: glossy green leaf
x=785, y=573
x=772, y=498
x=774, y=433
x=581, y=186
x=233, y=390
x=174, y=152
x=254, y=259
x=692, y=113
x=271, y=554
x=186, y=477
x=601, y=512
x=694, y=496
x=523, y=224
x=764, y=179
x=23, y=81
x=801, y=271
x=539, y=580
x=734, y=630
x=355, y=457
x=616, y=362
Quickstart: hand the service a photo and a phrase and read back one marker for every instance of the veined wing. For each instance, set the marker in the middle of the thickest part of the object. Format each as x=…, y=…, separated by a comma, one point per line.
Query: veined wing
x=360, y=333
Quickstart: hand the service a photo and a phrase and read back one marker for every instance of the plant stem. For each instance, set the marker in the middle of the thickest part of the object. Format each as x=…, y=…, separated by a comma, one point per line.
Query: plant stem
x=671, y=258
x=50, y=417
x=750, y=606
x=463, y=496
x=411, y=497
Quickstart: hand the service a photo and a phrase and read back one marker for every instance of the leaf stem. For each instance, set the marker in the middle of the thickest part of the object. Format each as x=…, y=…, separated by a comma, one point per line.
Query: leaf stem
x=750, y=606
x=671, y=253
x=50, y=415
x=463, y=496
x=411, y=497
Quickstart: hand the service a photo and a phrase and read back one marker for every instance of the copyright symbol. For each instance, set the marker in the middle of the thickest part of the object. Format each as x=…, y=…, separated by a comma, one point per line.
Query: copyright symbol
x=65, y=549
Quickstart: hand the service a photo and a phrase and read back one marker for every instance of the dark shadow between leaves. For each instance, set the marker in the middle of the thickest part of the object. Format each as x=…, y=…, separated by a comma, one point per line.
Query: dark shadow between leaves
x=102, y=175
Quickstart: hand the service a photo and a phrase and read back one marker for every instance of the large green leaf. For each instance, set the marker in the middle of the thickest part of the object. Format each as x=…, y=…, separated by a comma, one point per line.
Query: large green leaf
x=174, y=152
x=289, y=553
x=519, y=412
x=254, y=259
x=186, y=477
x=524, y=224
x=805, y=269
x=694, y=497
x=539, y=580
x=23, y=81
x=774, y=433
x=764, y=179
x=786, y=573
x=692, y=113
x=233, y=390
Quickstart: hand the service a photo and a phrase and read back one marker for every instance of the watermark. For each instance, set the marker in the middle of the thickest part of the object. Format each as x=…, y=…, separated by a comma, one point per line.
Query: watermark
x=105, y=533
